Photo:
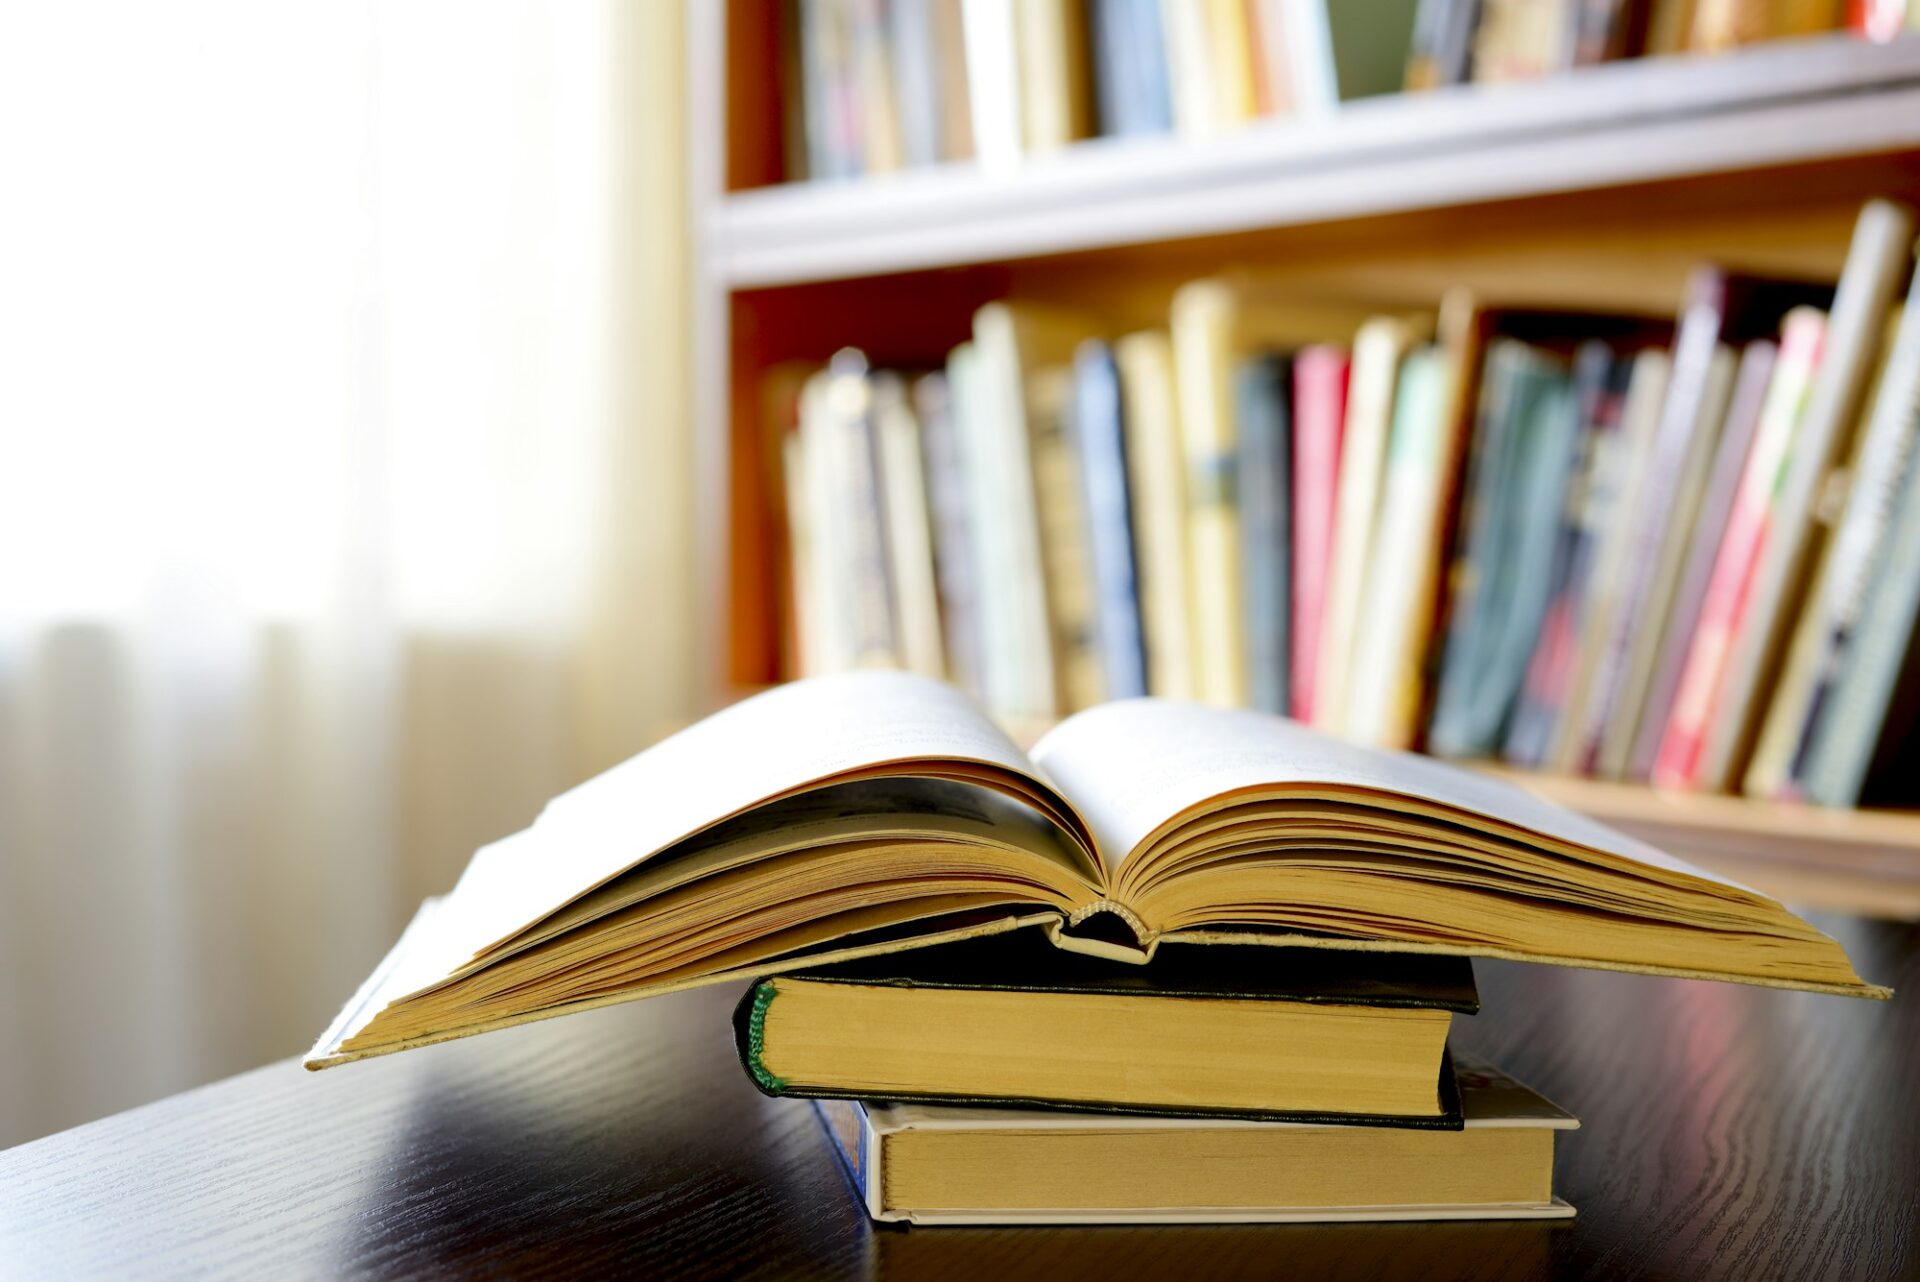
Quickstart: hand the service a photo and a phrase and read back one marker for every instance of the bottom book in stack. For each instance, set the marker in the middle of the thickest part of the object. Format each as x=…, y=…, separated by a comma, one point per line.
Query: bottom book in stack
x=947, y=1164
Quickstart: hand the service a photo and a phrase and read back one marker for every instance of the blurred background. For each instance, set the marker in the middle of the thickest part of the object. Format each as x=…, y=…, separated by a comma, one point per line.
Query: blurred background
x=410, y=409
x=344, y=494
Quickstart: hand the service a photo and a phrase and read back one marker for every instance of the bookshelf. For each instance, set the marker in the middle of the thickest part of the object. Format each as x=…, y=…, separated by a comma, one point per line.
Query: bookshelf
x=1601, y=187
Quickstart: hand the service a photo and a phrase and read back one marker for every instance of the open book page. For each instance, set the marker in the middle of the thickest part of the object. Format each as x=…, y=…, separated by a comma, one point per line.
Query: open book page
x=1132, y=766
x=793, y=737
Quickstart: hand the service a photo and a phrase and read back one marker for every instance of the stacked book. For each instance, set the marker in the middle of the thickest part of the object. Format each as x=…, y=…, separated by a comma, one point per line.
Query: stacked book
x=871, y=86
x=1176, y=962
x=1003, y=1081
x=1632, y=547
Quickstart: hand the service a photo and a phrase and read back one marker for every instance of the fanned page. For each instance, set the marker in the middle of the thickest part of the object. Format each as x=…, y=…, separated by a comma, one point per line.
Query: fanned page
x=816, y=811
x=1224, y=824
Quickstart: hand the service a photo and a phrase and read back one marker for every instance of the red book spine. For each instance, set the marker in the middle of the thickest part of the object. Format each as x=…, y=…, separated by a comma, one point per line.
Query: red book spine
x=1319, y=418
x=1724, y=606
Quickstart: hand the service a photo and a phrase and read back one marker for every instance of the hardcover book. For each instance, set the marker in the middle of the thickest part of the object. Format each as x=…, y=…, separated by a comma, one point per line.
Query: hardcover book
x=875, y=811
x=932, y=1164
x=1232, y=1029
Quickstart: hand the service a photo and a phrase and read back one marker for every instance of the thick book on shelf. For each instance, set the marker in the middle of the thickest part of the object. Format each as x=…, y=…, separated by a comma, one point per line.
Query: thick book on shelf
x=1305, y=1034
x=934, y=1164
x=876, y=811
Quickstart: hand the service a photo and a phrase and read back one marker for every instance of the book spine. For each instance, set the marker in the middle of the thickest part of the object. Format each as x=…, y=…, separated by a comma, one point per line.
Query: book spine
x=1576, y=737
x=956, y=574
x=1276, y=91
x=1189, y=76
x=1261, y=386
x=950, y=65
x=1066, y=560
x=1377, y=350
x=1157, y=480
x=1230, y=55
x=1874, y=694
x=1384, y=690
x=1642, y=650
x=1550, y=666
x=916, y=82
x=1050, y=47
x=1129, y=66
x=903, y=495
x=1878, y=476
x=876, y=105
x=1644, y=523
x=1729, y=587
x=1320, y=409
x=1683, y=619
x=1203, y=333
x=1878, y=260
x=1099, y=441
x=993, y=81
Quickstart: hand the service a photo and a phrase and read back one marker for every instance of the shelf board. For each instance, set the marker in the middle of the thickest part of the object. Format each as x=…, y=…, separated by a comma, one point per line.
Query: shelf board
x=1644, y=121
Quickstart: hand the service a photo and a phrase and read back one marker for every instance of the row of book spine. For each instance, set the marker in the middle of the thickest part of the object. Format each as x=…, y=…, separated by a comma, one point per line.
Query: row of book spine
x=1634, y=548
x=1496, y=41
x=871, y=86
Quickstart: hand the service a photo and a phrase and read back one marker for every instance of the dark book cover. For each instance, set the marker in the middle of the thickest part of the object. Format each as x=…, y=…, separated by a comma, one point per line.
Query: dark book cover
x=1265, y=478
x=1023, y=961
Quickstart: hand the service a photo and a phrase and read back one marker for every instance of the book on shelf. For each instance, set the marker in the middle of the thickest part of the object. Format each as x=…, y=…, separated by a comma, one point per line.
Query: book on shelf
x=1156, y=471
x=1748, y=398
x=1542, y=536
x=1378, y=348
x=1099, y=456
x=1406, y=562
x=1319, y=423
x=873, y=86
x=1263, y=473
x=1711, y=733
x=1838, y=642
x=935, y=1164
x=873, y=812
x=1879, y=261
x=1599, y=384
x=1302, y=1034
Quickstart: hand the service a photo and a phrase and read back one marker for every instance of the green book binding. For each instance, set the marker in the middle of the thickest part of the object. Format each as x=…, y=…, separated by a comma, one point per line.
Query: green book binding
x=1227, y=1030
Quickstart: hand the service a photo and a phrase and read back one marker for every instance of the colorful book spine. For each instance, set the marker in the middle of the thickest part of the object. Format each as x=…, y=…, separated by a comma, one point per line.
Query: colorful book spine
x=1879, y=259
x=1130, y=67
x=1878, y=476
x=1099, y=441
x=1319, y=420
x=1262, y=398
x=1683, y=618
x=1599, y=388
x=1875, y=698
x=1517, y=492
x=1723, y=607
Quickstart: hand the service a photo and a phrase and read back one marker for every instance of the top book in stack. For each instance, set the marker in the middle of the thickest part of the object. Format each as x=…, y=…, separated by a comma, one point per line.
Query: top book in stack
x=877, y=811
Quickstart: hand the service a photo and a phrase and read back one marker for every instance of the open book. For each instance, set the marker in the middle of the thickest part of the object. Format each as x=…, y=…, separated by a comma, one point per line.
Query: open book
x=857, y=814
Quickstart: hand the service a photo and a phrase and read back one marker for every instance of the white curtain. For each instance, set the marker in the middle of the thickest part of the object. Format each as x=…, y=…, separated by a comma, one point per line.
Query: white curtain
x=344, y=488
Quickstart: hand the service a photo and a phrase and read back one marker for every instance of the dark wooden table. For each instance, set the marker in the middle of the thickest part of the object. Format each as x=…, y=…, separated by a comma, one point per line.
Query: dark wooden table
x=1730, y=1132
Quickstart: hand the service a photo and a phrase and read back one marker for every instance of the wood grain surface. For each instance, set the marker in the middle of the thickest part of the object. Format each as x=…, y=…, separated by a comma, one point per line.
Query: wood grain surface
x=1730, y=1132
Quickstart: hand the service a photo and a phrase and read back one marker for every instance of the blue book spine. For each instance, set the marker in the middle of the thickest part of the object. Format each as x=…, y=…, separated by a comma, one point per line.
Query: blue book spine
x=1264, y=419
x=1099, y=442
x=1131, y=90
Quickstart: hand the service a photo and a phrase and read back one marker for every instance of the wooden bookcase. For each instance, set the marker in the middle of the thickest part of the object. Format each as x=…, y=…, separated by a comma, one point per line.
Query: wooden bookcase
x=1598, y=189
